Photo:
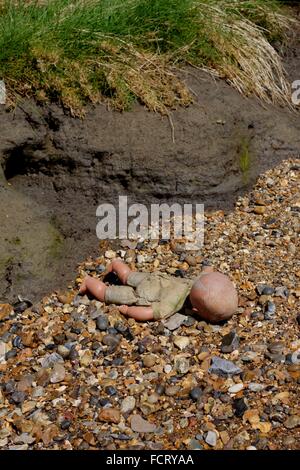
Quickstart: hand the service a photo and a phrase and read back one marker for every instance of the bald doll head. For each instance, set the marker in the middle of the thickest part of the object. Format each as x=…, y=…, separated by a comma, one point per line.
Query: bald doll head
x=214, y=297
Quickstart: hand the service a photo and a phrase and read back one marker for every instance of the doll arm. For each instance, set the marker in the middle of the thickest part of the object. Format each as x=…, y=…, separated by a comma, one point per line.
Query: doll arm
x=138, y=313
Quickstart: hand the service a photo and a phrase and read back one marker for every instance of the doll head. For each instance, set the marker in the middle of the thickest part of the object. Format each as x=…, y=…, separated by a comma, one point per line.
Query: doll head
x=214, y=297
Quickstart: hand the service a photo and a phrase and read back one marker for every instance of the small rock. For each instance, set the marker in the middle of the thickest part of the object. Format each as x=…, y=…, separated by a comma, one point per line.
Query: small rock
x=149, y=360
x=24, y=438
x=191, y=260
x=110, y=254
x=175, y=321
x=65, y=424
x=18, y=397
x=102, y=322
x=260, y=288
x=167, y=368
x=182, y=365
x=110, y=415
x=63, y=351
x=255, y=387
x=51, y=359
x=236, y=388
x=196, y=393
x=239, y=406
x=138, y=424
x=3, y=351
x=270, y=310
x=6, y=311
x=58, y=373
x=211, y=438
x=128, y=404
x=268, y=290
x=86, y=358
x=111, y=391
x=281, y=291
x=223, y=367
x=249, y=356
x=276, y=347
x=194, y=444
x=181, y=342
x=172, y=390
x=278, y=358
x=292, y=422
x=111, y=341
x=295, y=357
x=259, y=210
x=230, y=342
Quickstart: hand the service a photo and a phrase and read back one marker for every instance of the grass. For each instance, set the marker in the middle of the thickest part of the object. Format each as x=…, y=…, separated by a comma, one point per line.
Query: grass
x=75, y=51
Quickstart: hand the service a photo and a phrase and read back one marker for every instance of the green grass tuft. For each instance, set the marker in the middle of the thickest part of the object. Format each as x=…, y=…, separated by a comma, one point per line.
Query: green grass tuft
x=75, y=51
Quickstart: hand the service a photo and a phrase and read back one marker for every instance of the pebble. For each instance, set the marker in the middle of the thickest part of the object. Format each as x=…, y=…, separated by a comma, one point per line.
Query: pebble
x=175, y=321
x=51, y=359
x=110, y=390
x=194, y=444
x=230, y=342
x=18, y=397
x=110, y=415
x=249, y=356
x=17, y=342
x=181, y=342
x=182, y=365
x=111, y=341
x=128, y=404
x=278, y=358
x=236, y=388
x=168, y=368
x=276, y=347
x=211, y=438
x=223, y=367
x=138, y=424
x=295, y=357
x=58, y=373
x=190, y=260
x=281, y=291
x=3, y=351
x=172, y=390
x=196, y=393
x=255, y=387
x=63, y=351
x=239, y=407
x=102, y=322
x=110, y=254
x=292, y=422
x=149, y=360
x=6, y=311
x=270, y=310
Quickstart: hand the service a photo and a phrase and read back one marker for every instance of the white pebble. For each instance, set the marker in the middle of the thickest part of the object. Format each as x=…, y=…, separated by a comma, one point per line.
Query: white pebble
x=110, y=254
x=167, y=368
x=236, y=388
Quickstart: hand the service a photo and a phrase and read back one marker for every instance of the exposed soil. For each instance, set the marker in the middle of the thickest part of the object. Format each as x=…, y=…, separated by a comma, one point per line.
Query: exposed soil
x=57, y=170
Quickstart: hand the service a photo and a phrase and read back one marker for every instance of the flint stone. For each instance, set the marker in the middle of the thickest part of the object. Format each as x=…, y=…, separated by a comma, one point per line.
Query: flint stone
x=175, y=321
x=223, y=367
x=138, y=424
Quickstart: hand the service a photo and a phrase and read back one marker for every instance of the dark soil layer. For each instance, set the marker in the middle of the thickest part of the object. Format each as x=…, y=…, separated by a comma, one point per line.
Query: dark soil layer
x=57, y=170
